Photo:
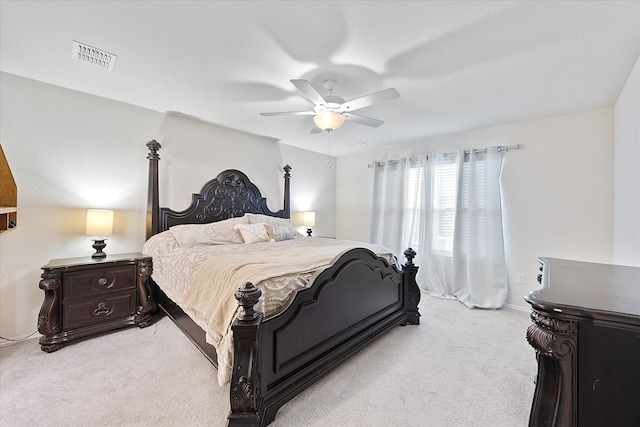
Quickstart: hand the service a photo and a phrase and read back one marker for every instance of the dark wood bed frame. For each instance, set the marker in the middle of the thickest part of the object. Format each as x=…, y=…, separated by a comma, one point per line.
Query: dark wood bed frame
x=349, y=304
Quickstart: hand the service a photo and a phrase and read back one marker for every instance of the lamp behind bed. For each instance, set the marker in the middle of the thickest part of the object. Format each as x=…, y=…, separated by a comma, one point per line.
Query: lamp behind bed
x=309, y=221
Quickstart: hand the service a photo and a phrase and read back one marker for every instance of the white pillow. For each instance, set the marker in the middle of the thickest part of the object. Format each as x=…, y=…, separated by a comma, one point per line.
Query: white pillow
x=272, y=220
x=253, y=233
x=266, y=219
x=215, y=233
x=280, y=232
x=224, y=232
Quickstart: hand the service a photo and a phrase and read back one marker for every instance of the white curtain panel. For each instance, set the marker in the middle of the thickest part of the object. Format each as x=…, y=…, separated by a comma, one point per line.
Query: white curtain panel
x=448, y=208
x=387, y=210
x=479, y=277
x=443, y=175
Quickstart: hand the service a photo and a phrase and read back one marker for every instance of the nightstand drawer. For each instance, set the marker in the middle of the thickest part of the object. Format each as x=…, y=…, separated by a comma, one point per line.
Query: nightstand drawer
x=92, y=282
x=82, y=312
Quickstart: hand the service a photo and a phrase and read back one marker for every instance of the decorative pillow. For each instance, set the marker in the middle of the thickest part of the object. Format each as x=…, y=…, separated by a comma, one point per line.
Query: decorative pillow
x=253, y=233
x=215, y=233
x=280, y=232
x=272, y=220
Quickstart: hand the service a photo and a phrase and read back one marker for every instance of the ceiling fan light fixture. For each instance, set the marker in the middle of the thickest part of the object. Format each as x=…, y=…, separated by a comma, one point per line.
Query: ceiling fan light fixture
x=328, y=121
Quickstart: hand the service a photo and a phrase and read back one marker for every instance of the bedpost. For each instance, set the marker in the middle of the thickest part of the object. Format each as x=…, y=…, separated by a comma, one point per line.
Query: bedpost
x=153, y=203
x=287, y=192
x=247, y=408
x=411, y=289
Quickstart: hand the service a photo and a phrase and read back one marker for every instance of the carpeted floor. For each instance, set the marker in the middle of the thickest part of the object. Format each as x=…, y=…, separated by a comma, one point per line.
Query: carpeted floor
x=460, y=367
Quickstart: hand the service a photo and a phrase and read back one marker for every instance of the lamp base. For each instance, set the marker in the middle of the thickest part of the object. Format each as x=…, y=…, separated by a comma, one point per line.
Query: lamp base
x=99, y=245
x=308, y=232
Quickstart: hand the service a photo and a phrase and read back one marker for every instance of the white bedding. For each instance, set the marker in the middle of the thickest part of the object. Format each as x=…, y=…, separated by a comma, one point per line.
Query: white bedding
x=203, y=278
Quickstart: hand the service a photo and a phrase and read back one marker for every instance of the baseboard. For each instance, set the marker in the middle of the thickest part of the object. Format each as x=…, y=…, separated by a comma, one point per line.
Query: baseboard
x=516, y=307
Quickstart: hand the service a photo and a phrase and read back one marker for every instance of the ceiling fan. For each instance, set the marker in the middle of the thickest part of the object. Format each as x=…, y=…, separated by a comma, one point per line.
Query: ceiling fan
x=331, y=111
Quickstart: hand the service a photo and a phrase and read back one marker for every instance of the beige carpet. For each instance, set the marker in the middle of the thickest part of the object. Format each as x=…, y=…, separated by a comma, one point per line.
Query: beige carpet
x=460, y=367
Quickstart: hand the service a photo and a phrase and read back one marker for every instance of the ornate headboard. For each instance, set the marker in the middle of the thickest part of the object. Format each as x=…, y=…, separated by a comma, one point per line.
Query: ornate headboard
x=230, y=194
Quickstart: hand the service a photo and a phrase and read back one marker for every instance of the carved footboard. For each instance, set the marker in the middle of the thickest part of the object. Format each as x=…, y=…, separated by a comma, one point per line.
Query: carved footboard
x=351, y=303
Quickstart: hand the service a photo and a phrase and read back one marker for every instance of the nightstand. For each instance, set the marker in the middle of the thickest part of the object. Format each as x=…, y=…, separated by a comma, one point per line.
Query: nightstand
x=88, y=296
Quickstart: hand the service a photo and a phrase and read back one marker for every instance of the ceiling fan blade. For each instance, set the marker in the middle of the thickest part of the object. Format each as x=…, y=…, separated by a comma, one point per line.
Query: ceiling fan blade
x=363, y=120
x=315, y=129
x=309, y=91
x=290, y=113
x=367, y=100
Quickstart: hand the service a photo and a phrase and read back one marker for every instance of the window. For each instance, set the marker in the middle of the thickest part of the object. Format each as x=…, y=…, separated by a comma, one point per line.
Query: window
x=444, y=207
x=447, y=208
x=415, y=204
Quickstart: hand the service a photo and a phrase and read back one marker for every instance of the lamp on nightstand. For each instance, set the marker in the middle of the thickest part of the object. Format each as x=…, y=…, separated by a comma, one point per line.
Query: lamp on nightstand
x=309, y=220
x=99, y=225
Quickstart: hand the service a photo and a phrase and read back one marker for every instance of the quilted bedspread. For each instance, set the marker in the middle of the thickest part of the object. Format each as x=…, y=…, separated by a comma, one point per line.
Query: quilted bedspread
x=202, y=279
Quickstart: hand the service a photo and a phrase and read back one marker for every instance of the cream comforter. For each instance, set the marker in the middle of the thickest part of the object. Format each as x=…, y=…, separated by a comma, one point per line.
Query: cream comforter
x=203, y=279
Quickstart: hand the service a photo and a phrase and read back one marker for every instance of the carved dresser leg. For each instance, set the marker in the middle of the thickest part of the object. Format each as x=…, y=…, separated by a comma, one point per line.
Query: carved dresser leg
x=146, y=303
x=555, y=399
x=50, y=317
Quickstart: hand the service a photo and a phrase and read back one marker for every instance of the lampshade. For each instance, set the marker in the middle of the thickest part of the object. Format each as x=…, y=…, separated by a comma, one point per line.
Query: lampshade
x=309, y=219
x=99, y=222
x=328, y=121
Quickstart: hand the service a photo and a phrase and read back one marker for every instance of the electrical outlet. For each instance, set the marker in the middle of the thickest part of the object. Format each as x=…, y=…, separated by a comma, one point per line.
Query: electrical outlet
x=522, y=278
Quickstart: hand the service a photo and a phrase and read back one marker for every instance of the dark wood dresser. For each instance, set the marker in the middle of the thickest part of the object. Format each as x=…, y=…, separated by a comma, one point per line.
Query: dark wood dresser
x=586, y=333
x=88, y=296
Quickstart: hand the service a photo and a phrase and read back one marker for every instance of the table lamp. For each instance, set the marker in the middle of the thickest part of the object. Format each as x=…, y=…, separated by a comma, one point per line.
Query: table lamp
x=309, y=220
x=99, y=225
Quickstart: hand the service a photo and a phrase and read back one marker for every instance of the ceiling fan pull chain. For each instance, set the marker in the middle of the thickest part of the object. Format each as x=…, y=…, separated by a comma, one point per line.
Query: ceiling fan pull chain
x=329, y=143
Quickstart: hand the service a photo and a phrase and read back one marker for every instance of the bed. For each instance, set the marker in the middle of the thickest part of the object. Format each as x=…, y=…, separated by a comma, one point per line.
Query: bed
x=274, y=353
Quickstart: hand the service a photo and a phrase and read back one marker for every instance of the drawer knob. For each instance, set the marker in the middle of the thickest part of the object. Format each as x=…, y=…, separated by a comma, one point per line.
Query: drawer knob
x=101, y=309
x=102, y=281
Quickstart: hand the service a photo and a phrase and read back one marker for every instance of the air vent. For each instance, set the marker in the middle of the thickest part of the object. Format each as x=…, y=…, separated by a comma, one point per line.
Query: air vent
x=91, y=55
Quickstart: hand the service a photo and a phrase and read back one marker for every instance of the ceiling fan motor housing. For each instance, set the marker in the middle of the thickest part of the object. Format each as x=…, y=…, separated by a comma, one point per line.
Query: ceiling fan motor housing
x=333, y=105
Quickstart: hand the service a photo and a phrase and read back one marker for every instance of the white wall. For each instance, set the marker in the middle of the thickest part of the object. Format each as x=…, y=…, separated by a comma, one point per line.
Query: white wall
x=557, y=190
x=183, y=173
x=69, y=151
x=313, y=188
x=626, y=235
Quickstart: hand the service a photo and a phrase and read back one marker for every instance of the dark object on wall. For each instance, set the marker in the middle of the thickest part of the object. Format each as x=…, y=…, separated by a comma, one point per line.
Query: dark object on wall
x=8, y=196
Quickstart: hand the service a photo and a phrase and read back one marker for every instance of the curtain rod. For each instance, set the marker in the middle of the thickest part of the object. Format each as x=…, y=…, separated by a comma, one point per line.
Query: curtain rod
x=484, y=150
x=479, y=150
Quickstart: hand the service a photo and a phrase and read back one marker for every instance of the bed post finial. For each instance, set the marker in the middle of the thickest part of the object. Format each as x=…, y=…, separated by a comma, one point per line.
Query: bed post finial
x=287, y=192
x=153, y=201
x=247, y=297
x=410, y=254
x=153, y=147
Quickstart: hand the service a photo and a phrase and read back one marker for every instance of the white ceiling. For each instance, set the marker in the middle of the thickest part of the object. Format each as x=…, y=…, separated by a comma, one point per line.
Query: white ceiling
x=458, y=65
